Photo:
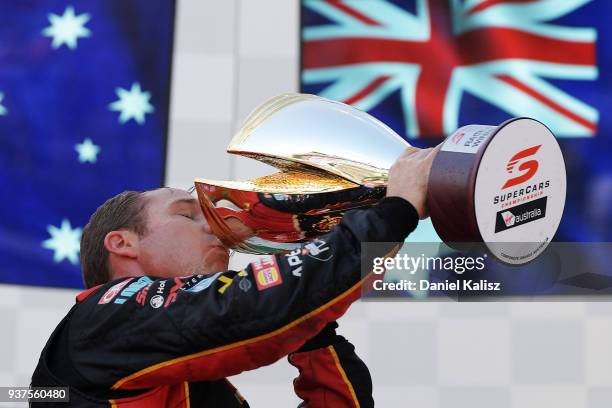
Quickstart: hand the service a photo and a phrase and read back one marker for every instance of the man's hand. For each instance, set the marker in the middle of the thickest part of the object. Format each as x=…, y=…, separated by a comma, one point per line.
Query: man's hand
x=409, y=175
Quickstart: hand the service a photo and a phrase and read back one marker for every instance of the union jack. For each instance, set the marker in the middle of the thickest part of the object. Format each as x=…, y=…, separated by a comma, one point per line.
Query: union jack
x=508, y=53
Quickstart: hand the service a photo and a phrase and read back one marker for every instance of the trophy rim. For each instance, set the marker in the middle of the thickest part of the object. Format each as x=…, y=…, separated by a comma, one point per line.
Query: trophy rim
x=296, y=182
x=366, y=173
x=263, y=112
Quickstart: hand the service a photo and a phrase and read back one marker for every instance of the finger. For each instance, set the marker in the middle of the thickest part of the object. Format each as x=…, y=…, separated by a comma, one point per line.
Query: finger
x=428, y=151
x=410, y=151
x=435, y=150
x=424, y=154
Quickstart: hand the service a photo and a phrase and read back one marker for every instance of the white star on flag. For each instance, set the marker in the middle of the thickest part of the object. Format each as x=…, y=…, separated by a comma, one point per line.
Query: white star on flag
x=67, y=28
x=64, y=241
x=132, y=104
x=2, y=108
x=87, y=150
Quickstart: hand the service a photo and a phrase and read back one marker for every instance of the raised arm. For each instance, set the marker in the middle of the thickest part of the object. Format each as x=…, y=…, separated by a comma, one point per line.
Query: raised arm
x=148, y=332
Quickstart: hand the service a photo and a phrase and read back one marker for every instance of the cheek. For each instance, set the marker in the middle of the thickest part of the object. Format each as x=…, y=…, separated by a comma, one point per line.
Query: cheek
x=186, y=244
x=165, y=246
x=175, y=247
x=179, y=235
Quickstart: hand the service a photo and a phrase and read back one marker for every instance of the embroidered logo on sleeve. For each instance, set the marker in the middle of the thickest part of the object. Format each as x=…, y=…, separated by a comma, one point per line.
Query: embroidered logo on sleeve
x=195, y=285
x=266, y=272
x=113, y=291
x=132, y=288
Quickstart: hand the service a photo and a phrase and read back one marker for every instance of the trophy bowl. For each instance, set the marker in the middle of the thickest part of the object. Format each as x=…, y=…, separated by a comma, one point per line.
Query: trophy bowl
x=500, y=185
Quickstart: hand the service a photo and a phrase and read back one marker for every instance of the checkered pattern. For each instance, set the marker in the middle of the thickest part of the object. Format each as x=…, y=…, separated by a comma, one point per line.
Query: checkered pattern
x=231, y=55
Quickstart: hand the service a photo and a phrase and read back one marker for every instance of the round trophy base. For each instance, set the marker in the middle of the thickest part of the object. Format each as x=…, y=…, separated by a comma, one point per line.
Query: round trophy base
x=502, y=185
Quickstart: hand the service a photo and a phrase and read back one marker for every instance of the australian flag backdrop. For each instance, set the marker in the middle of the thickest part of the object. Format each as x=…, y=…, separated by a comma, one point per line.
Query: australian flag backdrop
x=84, y=93
x=427, y=67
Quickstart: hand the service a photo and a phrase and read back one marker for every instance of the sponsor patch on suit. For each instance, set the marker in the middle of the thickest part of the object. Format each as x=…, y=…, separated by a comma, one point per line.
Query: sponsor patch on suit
x=266, y=272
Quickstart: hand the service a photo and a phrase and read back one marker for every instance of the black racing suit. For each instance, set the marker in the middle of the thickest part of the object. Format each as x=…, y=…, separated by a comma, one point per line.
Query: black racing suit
x=150, y=342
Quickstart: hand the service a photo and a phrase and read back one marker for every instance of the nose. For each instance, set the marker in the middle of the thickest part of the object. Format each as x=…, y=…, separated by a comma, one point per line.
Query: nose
x=207, y=228
x=210, y=235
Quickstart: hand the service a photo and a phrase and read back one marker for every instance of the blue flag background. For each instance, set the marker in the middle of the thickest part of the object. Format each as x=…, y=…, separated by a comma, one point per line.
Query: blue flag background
x=84, y=94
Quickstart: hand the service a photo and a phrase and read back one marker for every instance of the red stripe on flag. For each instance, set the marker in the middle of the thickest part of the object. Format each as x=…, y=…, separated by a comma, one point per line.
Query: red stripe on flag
x=489, y=3
x=369, y=88
x=549, y=102
x=474, y=47
x=431, y=89
x=353, y=13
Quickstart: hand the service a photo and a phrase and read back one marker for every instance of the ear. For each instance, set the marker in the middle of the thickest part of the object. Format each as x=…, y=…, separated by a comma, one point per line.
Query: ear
x=122, y=243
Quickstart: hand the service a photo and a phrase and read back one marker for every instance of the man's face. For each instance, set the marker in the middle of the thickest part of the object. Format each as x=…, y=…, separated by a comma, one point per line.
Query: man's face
x=178, y=240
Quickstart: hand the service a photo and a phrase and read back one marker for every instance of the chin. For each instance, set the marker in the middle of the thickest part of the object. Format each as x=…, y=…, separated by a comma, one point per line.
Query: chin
x=216, y=264
x=215, y=259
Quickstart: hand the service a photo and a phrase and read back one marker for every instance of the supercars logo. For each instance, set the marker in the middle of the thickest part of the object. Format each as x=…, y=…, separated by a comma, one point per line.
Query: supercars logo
x=528, y=168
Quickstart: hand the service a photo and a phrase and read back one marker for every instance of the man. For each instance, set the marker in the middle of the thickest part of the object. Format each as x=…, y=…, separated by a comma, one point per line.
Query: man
x=161, y=326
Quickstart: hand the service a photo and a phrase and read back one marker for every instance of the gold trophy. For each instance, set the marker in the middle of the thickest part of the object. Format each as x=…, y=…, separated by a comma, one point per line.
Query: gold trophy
x=492, y=184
